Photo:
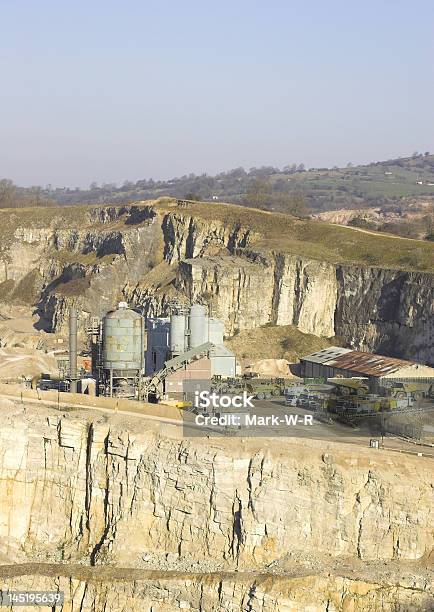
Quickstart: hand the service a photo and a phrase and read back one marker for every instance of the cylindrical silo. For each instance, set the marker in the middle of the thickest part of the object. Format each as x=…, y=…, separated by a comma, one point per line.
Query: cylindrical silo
x=215, y=331
x=123, y=340
x=177, y=334
x=197, y=325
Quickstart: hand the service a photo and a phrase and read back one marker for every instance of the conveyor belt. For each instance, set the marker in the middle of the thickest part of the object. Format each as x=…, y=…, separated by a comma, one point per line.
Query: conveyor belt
x=152, y=385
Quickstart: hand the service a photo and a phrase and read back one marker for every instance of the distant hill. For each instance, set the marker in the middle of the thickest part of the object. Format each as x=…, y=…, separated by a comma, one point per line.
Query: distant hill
x=385, y=184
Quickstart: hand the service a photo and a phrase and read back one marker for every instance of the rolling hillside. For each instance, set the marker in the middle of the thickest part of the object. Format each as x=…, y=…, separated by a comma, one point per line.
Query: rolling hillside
x=396, y=182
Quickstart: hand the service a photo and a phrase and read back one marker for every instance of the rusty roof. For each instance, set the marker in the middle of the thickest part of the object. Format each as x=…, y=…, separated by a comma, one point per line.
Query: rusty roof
x=368, y=363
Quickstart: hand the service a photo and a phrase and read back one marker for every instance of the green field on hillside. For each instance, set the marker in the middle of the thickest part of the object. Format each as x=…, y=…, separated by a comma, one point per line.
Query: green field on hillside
x=375, y=184
x=385, y=183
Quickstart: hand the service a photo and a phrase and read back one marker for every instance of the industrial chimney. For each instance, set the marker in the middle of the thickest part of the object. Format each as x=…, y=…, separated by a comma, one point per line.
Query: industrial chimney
x=73, y=349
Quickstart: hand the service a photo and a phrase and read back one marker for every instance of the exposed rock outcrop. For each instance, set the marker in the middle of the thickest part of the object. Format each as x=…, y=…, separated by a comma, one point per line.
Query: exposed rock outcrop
x=152, y=255
x=307, y=527
x=126, y=592
x=93, y=490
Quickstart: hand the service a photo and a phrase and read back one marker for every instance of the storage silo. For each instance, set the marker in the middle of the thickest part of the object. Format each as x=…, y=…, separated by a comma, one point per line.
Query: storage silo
x=198, y=325
x=215, y=331
x=123, y=343
x=177, y=334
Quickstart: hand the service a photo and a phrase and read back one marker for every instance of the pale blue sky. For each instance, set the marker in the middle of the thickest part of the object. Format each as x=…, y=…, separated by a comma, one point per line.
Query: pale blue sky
x=99, y=90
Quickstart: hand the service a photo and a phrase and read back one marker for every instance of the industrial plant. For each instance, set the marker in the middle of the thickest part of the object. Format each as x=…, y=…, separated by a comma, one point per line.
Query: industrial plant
x=169, y=358
x=153, y=358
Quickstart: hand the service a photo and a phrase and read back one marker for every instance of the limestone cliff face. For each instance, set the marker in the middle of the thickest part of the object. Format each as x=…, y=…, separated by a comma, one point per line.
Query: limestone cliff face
x=181, y=515
x=185, y=237
x=75, y=489
x=90, y=592
x=248, y=291
x=369, y=307
x=390, y=310
x=152, y=256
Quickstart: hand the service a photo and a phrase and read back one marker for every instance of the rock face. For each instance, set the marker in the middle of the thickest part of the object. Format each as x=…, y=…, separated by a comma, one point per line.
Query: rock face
x=151, y=256
x=388, y=310
x=212, y=594
x=251, y=291
x=180, y=515
x=93, y=491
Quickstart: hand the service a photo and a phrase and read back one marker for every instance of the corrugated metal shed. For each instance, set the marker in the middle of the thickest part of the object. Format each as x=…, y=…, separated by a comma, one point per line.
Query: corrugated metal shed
x=326, y=354
x=367, y=364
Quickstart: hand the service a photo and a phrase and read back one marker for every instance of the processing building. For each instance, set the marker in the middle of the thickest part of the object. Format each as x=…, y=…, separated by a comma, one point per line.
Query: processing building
x=184, y=352
x=185, y=330
x=137, y=357
x=379, y=370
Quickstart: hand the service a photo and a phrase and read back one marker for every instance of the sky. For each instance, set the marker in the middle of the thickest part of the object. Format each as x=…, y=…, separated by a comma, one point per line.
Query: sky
x=105, y=91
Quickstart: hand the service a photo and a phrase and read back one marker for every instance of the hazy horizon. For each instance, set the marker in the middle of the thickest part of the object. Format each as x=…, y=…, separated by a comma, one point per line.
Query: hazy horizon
x=119, y=183
x=104, y=92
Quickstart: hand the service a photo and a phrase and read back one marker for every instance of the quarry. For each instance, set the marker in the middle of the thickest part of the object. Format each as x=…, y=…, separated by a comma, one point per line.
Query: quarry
x=269, y=269
x=118, y=327
x=125, y=510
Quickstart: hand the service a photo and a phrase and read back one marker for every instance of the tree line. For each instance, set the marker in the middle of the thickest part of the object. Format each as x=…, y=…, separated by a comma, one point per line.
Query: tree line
x=12, y=196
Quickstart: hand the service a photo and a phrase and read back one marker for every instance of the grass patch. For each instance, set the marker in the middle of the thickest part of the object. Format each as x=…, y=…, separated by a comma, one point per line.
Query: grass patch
x=28, y=288
x=276, y=342
x=74, y=287
x=269, y=231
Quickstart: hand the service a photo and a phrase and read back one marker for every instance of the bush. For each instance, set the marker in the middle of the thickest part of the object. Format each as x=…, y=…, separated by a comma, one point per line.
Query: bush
x=362, y=223
x=192, y=196
x=370, y=258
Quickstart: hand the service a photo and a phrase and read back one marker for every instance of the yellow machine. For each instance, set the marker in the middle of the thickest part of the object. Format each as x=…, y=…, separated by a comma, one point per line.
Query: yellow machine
x=352, y=396
x=177, y=403
x=409, y=389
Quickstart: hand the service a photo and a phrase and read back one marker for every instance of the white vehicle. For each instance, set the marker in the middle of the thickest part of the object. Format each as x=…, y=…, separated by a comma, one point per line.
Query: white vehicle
x=291, y=400
x=293, y=394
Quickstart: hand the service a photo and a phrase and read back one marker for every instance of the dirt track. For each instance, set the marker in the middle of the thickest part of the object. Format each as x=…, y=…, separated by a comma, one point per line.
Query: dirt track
x=365, y=231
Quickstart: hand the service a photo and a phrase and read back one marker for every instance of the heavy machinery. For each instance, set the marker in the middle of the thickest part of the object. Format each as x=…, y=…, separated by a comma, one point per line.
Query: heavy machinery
x=415, y=390
x=310, y=396
x=352, y=395
x=46, y=383
x=266, y=389
x=260, y=388
x=227, y=385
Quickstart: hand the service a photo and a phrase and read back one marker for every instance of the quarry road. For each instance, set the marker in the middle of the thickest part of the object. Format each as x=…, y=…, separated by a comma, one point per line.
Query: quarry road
x=329, y=432
x=113, y=411
x=325, y=430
